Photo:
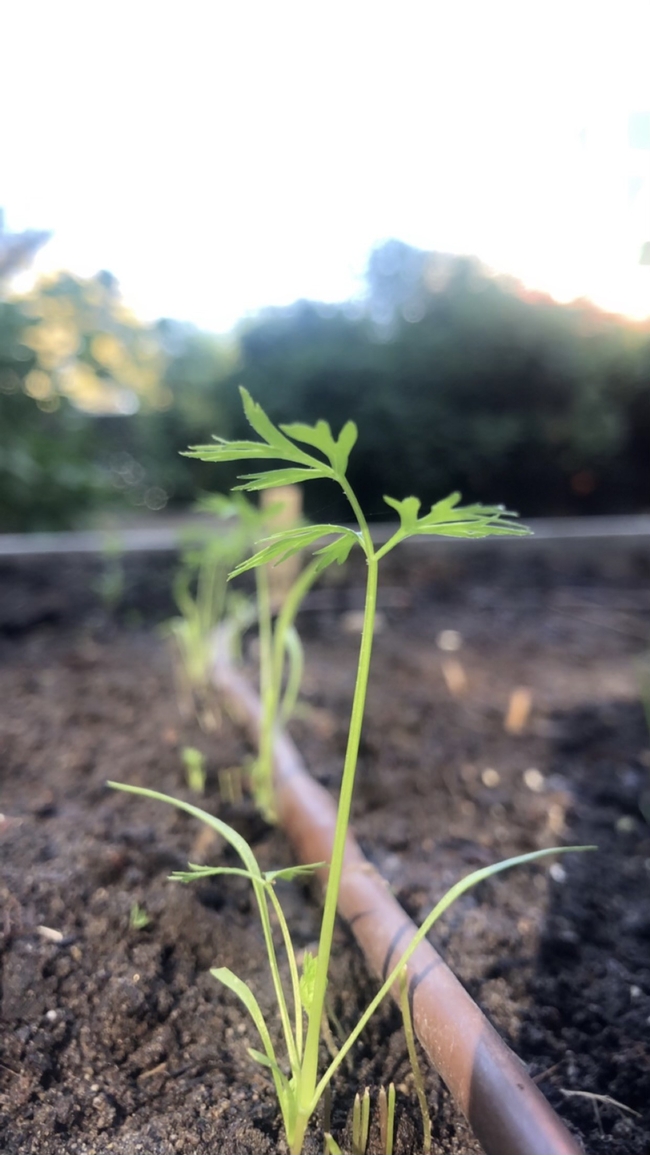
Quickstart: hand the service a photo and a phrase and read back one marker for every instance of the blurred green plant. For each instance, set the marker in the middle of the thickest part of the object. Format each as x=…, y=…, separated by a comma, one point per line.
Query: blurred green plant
x=201, y=589
x=644, y=686
x=194, y=763
x=110, y=584
x=138, y=917
x=45, y=469
x=360, y=1122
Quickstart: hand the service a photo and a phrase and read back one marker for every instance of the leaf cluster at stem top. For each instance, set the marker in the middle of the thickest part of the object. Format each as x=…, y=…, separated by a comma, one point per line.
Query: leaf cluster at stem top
x=446, y=518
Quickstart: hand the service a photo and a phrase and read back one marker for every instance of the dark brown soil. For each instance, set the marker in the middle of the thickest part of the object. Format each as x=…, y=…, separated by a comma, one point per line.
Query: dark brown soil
x=116, y=1039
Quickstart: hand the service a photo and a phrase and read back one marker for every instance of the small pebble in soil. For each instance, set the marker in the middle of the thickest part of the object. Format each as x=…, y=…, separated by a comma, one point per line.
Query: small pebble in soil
x=556, y=818
x=449, y=641
x=625, y=824
x=490, y=778
x=455, y=677
x=534, y=780
x=518, y=711
x=635, y=992
x=557, y=872
x=50, y=934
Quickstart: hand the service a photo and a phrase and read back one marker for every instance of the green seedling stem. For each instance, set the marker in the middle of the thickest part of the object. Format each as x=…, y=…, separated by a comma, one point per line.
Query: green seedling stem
x=279, y=645
x=387, y=1118
x=298, y=1086
x=418, y=1078
x=261, y=783
x=305, y=1106
x=360, y=1122
x=295, y=670
x=331, y=1146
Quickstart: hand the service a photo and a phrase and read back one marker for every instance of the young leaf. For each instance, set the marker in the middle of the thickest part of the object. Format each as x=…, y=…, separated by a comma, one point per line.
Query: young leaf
x=335, y=551
x=308, y=980
x=195, y=873
x=267, y=430
x=449, y=519
x=346, y=442
x=224, y=450
x=274, y=446
x=245, y=994
x=320, y=437
x=238, y=843
x=408, y=510
x=285, y=544
x=272, y=477
x=264, y=1061
x=288, y=873
x=278, y=1075
x=225, y=975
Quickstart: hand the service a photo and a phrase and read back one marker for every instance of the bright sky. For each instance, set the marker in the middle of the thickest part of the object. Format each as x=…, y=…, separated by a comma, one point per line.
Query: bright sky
x=223, y=155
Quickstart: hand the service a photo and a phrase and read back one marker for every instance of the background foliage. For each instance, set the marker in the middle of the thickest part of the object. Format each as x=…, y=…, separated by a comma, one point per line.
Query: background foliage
x=457, y=380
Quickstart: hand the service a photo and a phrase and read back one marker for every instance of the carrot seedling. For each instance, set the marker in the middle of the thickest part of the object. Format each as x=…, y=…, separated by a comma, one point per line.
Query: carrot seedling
x=201, y=588
x=360, y=1122
x=295, y=1074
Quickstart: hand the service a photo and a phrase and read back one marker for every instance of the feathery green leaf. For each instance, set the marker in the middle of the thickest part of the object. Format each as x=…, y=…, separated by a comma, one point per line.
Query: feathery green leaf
x=320, y=437
x=286, y=544
x=263, y=425
x=449, y=519
x=344, y=445
x=273, y=477
x=335, y=551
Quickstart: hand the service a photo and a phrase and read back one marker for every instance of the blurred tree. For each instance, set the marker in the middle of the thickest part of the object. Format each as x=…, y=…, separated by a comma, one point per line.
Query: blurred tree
x=190, y=407
x=69, y=351
x=47, y=473
x=457, y=379
x=89, y=347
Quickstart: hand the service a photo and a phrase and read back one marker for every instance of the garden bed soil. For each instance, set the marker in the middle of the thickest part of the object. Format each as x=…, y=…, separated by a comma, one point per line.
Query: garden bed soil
x=116, y=1039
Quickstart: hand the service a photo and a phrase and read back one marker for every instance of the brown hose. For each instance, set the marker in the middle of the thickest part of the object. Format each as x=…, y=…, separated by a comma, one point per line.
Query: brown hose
x=505, y=1109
